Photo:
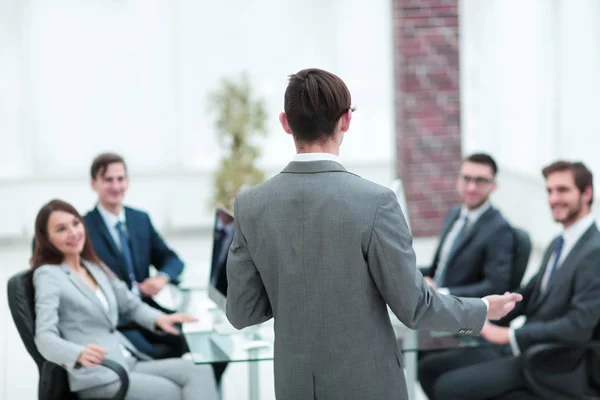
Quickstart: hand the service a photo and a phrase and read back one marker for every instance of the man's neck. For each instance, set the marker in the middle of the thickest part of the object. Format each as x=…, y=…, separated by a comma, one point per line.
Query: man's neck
x=302, y=148
x=113, y=209
x=573, y=221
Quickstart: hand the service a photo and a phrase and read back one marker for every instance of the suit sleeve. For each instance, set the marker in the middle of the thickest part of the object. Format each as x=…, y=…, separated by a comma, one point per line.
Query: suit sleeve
x=577, y=324
x=47, y=336
x=164, y=259
x=497, y=267
x=392, y=263
x=132, y=307
x=247, y=300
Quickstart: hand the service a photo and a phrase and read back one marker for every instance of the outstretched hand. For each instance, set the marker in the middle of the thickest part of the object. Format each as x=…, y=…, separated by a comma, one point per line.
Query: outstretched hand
x=500, y=305
x=166, y=322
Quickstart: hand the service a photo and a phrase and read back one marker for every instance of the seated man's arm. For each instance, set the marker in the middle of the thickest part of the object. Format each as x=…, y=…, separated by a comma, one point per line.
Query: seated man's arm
x=577, y=324
x=162, y=257
x=391, y=261
x=497, y=267
x=247, y=300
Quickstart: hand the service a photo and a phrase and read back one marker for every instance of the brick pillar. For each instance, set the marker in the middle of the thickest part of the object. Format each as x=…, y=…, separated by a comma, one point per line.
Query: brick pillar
x=428, y=147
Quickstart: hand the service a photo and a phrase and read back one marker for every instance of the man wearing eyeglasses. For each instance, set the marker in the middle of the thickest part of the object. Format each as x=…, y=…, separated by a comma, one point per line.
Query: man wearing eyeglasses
x=474, y=255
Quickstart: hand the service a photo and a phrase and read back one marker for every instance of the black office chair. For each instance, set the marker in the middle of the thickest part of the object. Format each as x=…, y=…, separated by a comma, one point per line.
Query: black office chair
x=53, y=384
x=521, y=254
x=559, y=359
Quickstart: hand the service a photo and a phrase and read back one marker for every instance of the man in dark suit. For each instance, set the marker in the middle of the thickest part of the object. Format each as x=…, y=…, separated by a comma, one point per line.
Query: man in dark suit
x=127, y=242
x=474, y=255
x=561, y=303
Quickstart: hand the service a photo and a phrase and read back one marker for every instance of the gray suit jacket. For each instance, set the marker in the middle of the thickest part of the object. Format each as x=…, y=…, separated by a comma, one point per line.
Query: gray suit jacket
x=69, y=317
x=324, y=251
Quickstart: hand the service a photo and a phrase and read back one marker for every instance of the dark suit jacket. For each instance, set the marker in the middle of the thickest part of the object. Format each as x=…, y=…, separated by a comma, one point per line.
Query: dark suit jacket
x=482, y=262
x=147, y=246
x=567, y=311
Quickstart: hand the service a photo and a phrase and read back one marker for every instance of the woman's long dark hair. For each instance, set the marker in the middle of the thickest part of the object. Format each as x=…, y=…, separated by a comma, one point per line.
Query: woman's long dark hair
x=45, y=252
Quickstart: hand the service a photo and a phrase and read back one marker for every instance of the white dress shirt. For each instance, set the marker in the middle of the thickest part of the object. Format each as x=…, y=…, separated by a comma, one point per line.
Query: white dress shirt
x=571, y=236
x=111, y=221
x=471, y=216
x=100, y=295
x=317, y=157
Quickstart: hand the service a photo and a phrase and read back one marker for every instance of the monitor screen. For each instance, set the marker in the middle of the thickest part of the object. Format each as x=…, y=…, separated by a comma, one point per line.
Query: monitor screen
x=222, y=238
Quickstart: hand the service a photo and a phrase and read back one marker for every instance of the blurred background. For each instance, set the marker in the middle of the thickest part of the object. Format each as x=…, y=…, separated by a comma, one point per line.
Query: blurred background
x=432, y=80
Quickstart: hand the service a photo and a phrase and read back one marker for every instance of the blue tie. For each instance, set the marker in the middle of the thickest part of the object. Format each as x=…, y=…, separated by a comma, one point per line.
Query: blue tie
x=557, y=251
x=127, y=255
x=440, y=277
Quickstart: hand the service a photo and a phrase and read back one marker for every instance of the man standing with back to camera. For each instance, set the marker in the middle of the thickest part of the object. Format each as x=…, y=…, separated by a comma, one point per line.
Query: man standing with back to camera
x=323, y=251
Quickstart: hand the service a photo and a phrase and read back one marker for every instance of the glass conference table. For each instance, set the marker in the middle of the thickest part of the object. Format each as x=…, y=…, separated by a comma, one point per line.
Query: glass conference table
x=255, y=344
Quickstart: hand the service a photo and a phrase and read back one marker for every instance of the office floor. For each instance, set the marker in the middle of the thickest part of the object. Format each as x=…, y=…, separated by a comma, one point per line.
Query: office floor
x=18, y=373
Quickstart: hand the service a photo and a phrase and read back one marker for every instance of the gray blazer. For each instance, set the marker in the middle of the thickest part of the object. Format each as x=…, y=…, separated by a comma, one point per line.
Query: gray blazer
x=324, y=251
x=69, y=317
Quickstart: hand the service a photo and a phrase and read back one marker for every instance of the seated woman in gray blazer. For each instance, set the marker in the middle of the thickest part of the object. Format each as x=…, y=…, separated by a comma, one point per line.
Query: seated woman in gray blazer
x=77, y=302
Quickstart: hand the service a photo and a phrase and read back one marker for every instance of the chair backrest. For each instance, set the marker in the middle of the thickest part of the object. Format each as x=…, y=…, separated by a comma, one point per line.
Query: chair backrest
x=593, y=361
x=521, y=253
x=53, y=384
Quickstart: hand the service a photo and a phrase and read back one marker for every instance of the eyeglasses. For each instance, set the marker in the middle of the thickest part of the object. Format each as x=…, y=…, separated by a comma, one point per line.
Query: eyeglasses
x=477, y=180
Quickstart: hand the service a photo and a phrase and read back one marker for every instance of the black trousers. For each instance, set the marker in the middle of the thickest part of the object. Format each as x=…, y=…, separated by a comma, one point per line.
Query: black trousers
x=472, y=374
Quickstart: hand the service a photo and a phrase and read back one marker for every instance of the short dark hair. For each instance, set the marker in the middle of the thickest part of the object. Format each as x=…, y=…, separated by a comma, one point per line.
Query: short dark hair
x=314, y=101
x=581, y=174
x=483, y=158
x=102, y=161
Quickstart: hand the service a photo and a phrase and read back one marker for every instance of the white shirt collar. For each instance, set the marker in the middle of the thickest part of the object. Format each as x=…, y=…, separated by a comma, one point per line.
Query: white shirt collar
x=302, y=157
x=474, y=215
x=574, y=232
x=109, y=218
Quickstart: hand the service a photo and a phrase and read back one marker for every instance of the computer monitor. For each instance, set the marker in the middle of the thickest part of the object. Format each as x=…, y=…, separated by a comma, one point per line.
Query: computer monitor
x=222, y=238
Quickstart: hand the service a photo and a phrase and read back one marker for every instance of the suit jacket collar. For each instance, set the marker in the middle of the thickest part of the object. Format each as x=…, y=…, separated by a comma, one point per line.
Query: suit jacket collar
x=455, y=213
x=565, y=269
x=473, y=229
x=80, y=284
x=103, y=229
x=571, y=261
x=313, y=167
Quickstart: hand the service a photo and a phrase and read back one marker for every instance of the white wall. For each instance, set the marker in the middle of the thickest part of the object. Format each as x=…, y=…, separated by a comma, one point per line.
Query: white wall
x=133, y=76
x=530, y=93
x=530, y=81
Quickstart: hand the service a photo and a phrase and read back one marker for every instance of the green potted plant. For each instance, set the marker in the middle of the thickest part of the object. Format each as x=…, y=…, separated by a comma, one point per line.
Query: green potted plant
x=241, y=118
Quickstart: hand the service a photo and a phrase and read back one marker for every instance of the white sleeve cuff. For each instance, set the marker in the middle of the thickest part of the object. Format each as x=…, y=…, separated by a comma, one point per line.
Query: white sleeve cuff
x=487, y=304
x=514, y=346
x=443, y=290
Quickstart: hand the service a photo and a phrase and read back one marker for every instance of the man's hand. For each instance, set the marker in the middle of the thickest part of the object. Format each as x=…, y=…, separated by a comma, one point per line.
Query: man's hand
x=501, y=305
x=151, y=286
x=431, y=283
x=495, y=334
x=166, y=322
x=91, y=356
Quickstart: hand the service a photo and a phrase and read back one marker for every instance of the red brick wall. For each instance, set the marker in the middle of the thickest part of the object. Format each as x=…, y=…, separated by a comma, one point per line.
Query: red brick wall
x=428, y=147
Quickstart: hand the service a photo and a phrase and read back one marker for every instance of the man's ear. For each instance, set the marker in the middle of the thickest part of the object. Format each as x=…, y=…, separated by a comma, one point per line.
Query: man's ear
x=345, y=121
x=284, y=123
